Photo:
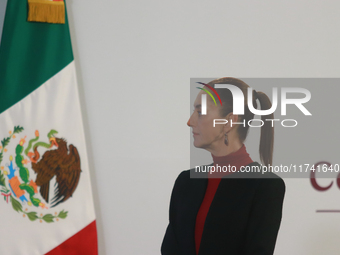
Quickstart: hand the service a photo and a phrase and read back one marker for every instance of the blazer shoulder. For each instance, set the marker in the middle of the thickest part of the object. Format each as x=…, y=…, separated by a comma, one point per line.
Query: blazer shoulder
x=266, y=181
x=182, y=178
x=184, y=175
x=273, y=184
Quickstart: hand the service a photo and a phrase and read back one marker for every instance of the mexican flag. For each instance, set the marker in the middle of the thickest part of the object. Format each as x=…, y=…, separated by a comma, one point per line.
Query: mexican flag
x=46, y=203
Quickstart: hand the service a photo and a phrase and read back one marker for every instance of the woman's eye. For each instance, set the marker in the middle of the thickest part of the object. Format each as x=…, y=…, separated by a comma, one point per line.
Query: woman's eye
x=199, y=113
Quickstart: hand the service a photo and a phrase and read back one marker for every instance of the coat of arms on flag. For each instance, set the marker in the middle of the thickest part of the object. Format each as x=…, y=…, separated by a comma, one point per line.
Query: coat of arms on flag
x=46, y=202
x=59, y=162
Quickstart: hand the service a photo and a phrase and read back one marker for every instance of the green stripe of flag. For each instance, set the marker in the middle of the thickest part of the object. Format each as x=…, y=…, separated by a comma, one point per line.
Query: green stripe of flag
x=30, y=53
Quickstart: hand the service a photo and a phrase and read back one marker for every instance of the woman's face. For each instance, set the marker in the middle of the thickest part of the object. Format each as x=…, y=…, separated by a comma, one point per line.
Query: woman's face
x=206, y=136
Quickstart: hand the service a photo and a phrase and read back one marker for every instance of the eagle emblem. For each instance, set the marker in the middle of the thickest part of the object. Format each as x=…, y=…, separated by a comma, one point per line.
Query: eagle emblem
x=27, y=180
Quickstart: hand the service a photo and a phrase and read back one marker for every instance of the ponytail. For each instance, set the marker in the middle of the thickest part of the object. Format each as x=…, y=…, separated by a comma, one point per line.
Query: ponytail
x=267, y=131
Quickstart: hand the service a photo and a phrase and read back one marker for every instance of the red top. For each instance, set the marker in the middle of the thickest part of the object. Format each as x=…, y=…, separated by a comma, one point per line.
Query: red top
x=237, y=159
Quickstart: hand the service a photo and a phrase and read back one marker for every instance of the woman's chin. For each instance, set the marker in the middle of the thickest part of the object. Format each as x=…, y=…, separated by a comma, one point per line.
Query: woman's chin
x=197, y=144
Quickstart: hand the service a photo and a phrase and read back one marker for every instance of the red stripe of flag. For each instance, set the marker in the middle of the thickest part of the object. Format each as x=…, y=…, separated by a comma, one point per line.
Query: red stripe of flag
x=84, y=242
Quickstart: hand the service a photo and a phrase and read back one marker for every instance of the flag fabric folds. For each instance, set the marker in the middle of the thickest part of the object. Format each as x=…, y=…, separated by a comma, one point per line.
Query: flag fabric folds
x=46, y=203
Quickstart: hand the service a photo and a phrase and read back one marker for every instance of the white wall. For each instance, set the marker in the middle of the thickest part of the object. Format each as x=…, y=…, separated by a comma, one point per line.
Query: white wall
x=3, y=4
x=135, y=60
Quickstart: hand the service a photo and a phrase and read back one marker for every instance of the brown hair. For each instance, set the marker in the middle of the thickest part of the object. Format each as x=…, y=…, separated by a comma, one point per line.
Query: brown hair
x=267, y=131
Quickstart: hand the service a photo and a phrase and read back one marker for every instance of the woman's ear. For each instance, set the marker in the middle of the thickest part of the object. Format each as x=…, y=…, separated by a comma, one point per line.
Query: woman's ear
x=232, y=118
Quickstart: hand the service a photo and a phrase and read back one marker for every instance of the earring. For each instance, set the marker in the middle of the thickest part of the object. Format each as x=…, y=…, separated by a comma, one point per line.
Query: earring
x=226, y=139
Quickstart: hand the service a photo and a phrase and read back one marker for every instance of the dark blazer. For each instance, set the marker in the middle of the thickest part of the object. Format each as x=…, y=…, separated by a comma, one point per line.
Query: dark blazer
x=243, y=219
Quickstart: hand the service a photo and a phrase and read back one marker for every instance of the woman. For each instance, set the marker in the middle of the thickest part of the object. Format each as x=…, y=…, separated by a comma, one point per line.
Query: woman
x=230, y=212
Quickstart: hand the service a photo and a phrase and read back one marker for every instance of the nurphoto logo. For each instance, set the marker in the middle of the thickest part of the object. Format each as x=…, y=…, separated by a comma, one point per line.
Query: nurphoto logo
x=238, y=104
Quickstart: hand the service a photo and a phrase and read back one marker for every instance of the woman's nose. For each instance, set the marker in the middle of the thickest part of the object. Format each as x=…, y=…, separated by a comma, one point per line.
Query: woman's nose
x=191, y=120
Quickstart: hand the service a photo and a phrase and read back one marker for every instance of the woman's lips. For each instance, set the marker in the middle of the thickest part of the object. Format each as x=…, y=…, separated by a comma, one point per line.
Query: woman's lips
x=194, y=133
